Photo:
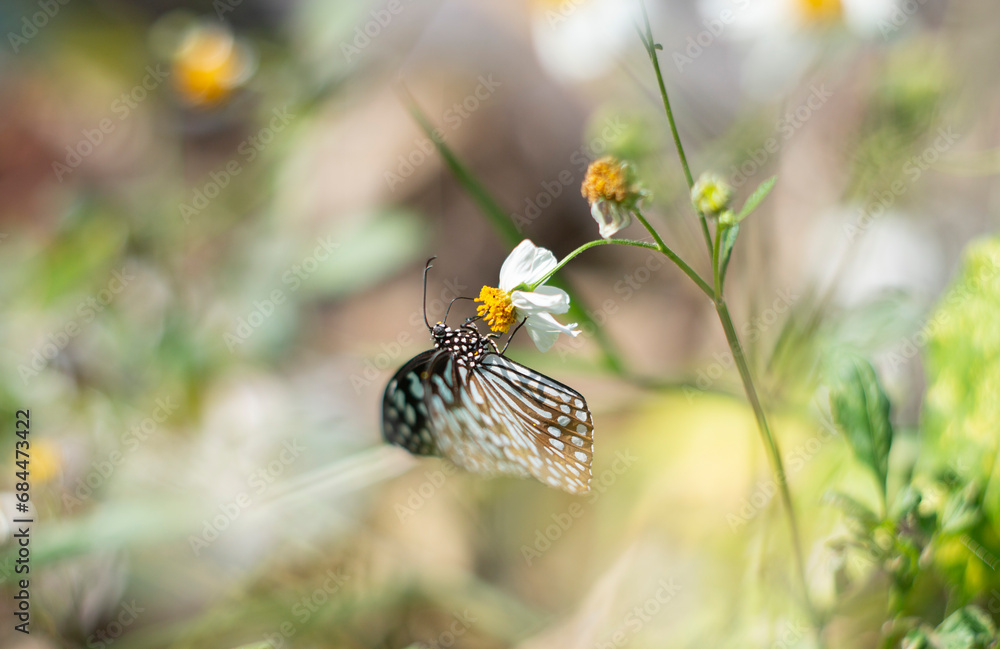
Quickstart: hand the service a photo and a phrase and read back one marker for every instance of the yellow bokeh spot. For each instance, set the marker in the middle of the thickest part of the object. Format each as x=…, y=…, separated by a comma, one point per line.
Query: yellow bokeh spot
x=820, y=11
x=46, y=461
x=496, y=309
x=208, y=66
x=606, y=179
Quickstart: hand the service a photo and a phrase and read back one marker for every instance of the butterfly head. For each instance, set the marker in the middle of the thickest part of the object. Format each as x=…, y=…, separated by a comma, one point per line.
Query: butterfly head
x=466, y=343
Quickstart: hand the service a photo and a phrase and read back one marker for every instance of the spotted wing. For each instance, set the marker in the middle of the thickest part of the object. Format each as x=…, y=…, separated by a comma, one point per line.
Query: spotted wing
x=404, y=412
x=500, y=417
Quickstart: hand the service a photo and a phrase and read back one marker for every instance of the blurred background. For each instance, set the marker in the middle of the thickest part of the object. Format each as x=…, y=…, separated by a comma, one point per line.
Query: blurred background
x=213, y=221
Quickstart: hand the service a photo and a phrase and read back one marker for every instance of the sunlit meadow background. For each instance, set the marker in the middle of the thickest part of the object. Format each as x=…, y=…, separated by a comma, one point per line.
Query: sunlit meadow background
x=213, y=218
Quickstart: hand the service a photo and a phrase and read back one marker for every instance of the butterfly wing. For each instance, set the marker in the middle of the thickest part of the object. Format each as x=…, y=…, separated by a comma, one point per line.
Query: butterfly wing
x=500, y=417
x=405, y=419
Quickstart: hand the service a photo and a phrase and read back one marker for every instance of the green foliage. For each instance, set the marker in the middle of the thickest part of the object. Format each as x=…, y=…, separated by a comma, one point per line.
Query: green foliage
x=728, y=242
x=938, y=540
x=967, y=628
x=861, y=411
x=756, y=198
x=963, y=368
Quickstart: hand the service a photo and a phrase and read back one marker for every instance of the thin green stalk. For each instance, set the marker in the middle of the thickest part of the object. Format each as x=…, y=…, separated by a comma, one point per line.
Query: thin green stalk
x=588, y=246
x=659, y=247
x=662, y=247
x=651, y=47
x=770, y=444
x=768, y=439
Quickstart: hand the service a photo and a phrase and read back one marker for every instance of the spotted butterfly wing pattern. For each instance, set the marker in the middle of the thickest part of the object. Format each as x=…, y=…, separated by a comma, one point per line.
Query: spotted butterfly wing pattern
x=489, y=414
x=404, y=412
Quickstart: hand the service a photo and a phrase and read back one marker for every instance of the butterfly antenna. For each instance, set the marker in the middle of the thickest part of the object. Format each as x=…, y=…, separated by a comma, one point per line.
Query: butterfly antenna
x=448, y=310
x=427, y=268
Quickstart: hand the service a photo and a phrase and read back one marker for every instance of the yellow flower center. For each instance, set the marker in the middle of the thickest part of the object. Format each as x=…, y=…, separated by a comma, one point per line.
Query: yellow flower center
x=207, y=67
x=606, y=179
x=820, y=11
x=496, y=309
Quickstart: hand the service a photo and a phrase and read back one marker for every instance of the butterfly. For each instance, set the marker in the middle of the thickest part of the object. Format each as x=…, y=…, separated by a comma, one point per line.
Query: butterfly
x=465, y=401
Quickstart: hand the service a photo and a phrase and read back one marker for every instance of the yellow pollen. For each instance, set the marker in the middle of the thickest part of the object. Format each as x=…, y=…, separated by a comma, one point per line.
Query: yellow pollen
x=496, y=309
x=605, y=179
x=820, y=11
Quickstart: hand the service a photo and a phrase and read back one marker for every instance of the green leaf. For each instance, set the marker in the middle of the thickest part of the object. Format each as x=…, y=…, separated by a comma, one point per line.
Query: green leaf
x=476, y=190
x=756, y=197
x=728, y=241
x=855, y=509
x=861, y=411
x=967, y=628
x=962, y=510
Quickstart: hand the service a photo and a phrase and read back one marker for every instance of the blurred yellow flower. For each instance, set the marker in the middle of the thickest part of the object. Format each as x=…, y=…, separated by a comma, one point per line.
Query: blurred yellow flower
x=46, y=461
x=208, y=65
x=711, y=194
x=815, y=12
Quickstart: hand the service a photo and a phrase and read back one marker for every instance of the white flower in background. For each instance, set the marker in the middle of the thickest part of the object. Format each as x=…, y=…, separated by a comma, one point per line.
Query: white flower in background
x=515, y=300
x=577, y=40
x=783, y=38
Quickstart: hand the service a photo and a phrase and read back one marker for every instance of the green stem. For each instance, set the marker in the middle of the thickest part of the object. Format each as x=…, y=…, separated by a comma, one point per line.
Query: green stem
x=659, y=246
x=768, y=439
x=662, y=247
x=716, y=274
x=588, y=246
x=770, y=444
x=651, y=47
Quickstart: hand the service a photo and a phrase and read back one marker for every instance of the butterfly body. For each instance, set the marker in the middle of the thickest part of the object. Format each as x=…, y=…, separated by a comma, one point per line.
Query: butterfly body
x=467, y=402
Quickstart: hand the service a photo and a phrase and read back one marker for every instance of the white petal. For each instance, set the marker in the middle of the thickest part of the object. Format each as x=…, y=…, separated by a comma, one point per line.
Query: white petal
x=527, y=263
x=545, y=299
x=544, y=330
x=610, y=217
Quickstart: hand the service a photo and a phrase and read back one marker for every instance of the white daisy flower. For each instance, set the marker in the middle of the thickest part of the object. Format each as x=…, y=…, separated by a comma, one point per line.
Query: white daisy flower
x=515, y=301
